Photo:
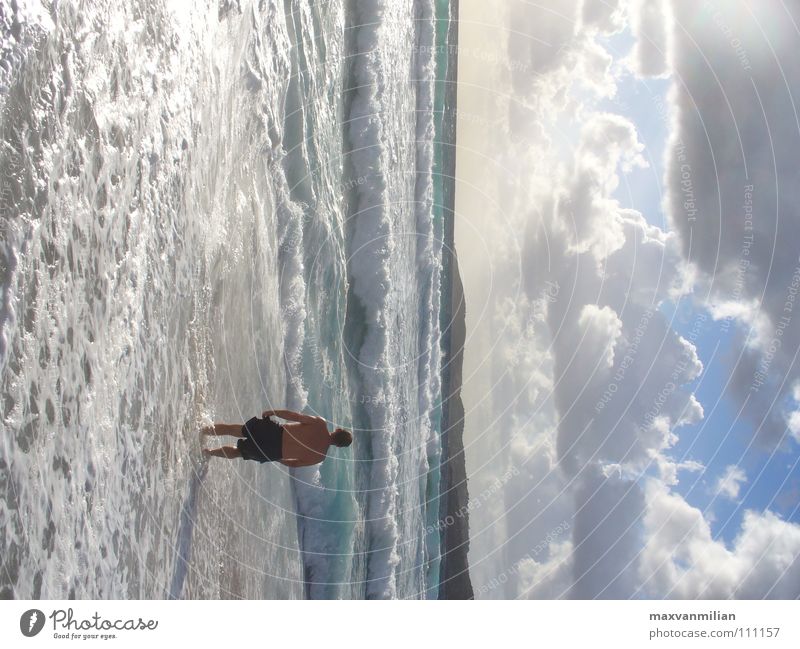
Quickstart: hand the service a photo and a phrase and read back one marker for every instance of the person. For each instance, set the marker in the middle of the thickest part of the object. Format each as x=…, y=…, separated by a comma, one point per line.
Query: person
x=304, y=442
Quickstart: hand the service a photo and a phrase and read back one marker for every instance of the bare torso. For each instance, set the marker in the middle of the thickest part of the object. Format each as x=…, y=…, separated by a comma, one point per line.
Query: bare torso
x=306, y=442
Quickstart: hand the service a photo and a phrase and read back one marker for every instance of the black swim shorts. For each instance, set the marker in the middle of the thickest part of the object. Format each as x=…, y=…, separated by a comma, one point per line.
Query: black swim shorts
x=263, y=440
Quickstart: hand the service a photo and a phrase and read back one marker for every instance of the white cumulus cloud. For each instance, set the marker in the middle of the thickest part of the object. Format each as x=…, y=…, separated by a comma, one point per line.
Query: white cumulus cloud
x=681, y=559
x=730, y=482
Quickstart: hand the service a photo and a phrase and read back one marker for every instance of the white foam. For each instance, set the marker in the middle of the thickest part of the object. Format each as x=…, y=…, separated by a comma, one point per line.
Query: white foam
x=108, y=321
x=385, y=231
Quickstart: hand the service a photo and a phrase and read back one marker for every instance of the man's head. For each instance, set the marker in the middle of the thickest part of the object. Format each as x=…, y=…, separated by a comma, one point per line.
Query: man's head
x=342, y=437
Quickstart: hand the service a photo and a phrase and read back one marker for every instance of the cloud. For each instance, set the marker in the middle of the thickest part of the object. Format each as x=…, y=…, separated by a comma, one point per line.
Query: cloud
x=592, y=277
x=607, y=142
x=682, y=560
x=732, y=187
x=590, y=384
x=540, y=39
x=793, y=416
x=668, y=470
x=650, y=21
x=730, y=482
x=548, y=579
x=603, y=15
x=606, y=539
x=612, y=269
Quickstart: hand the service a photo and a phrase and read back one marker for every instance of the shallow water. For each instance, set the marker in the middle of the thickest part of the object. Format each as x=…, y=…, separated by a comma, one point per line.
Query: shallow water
x=136, y=251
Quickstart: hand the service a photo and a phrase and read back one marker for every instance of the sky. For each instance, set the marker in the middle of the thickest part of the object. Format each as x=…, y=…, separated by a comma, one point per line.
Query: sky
x=627, y=225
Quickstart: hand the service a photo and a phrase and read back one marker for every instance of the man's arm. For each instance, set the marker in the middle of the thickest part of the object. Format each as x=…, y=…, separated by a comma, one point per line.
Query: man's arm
x=290, y=415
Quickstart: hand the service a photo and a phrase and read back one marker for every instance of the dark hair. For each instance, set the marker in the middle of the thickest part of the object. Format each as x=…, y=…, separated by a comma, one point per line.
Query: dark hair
x=342, y=437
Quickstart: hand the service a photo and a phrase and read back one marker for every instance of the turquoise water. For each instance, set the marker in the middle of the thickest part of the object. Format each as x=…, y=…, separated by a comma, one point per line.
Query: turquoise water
x=371, y=196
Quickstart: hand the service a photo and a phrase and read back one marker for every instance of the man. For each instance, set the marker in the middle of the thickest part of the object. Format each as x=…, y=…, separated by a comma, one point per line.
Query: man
x=302, y=443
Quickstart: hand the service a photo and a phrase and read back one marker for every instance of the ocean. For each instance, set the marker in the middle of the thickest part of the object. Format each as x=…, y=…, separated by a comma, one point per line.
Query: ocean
x=209, y=209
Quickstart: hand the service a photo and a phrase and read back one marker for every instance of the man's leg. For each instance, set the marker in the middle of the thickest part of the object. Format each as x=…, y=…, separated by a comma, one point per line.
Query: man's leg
x=234, y=430
x=230, y=452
